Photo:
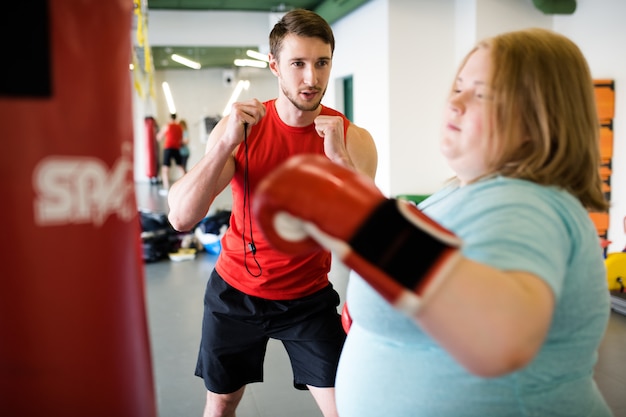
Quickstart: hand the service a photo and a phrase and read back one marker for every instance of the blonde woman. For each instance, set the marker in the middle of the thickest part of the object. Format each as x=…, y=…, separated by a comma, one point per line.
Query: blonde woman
x=500, y=313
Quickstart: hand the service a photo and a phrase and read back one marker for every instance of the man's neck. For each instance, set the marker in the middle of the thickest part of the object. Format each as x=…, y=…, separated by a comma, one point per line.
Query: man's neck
x=292, y=116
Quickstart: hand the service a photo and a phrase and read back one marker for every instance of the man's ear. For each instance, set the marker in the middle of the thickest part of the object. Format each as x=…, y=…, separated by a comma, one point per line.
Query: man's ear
x=273, y=64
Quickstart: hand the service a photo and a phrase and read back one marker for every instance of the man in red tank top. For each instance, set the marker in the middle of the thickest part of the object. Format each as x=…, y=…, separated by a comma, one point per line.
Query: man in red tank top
x=256, y=292
x=172, y=138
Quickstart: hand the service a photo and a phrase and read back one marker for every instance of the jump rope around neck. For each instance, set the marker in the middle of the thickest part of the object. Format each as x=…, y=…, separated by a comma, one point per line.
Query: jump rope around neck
x=248, y=246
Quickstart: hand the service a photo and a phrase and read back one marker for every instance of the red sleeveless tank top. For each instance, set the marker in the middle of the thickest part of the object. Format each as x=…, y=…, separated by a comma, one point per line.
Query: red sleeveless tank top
x=283, y=277
x=173, y=136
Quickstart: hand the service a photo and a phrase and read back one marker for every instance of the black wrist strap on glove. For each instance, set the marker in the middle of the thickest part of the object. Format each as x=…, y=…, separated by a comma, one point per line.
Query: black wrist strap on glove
x=406, y=250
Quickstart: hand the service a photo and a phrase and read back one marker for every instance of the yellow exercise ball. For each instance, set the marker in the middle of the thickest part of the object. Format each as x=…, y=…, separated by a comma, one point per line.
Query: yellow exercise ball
x=616, y=270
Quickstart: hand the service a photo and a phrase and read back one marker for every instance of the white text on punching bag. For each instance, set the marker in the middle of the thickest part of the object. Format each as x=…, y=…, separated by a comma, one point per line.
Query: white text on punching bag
x=78, y=190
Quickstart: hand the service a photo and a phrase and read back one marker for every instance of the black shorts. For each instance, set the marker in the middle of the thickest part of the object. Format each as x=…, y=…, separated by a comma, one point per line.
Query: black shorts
x=236, y=328
x=169, y=154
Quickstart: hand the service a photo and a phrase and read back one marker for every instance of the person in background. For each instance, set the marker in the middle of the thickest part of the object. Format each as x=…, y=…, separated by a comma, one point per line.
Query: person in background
x=490, y=298
x=184, y=147
x=255, y=292
x=172, y=137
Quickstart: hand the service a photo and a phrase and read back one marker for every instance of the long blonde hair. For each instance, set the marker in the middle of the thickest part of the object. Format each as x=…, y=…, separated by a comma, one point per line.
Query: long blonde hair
x=543, y=114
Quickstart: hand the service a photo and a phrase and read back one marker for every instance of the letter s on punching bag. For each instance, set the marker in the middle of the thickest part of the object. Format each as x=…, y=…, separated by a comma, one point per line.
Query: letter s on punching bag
x=73, y=327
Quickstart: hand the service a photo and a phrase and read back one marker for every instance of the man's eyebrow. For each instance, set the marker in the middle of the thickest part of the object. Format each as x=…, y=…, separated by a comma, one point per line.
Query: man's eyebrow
x=325, y=58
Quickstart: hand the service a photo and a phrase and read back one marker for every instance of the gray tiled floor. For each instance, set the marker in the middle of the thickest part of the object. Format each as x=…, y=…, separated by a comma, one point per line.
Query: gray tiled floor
x=174, y=298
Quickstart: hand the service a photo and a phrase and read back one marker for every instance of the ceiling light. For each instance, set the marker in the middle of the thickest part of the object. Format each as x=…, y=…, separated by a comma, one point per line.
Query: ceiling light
x=250, y=63
x=186, y=61
x=168, y=97
x=257, y=55
x=241, y=85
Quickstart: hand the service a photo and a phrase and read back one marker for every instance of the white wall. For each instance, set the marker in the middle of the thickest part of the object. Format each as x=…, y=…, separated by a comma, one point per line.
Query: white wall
x=421, y=68
x=406, y=57
x=362, y=50
x=496, y=16
x=402, y=55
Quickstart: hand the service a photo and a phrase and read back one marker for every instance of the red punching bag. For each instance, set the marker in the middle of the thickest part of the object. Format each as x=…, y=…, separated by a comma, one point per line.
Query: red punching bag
x=73, y=328
x=152, y=164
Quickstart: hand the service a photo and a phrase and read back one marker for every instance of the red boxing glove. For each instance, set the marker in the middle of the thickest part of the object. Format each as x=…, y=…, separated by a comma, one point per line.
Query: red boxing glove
x=398, y=250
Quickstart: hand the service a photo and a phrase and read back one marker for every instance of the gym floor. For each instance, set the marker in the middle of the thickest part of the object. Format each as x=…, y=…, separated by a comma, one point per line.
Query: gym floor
x=175, y=293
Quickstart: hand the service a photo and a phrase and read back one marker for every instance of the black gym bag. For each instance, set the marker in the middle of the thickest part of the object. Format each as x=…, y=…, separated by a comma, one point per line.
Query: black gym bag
x=158, y=237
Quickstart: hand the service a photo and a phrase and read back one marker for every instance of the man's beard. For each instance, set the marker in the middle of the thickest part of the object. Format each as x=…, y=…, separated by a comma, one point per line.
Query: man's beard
x=301, y=107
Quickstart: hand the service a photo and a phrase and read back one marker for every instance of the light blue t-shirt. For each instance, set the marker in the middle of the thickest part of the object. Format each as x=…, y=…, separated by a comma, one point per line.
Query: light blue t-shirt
x=389, y=367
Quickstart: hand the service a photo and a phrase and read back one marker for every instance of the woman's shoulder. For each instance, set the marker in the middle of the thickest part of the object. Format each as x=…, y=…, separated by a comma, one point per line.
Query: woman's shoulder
x=502, y=196
x=527, y=198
